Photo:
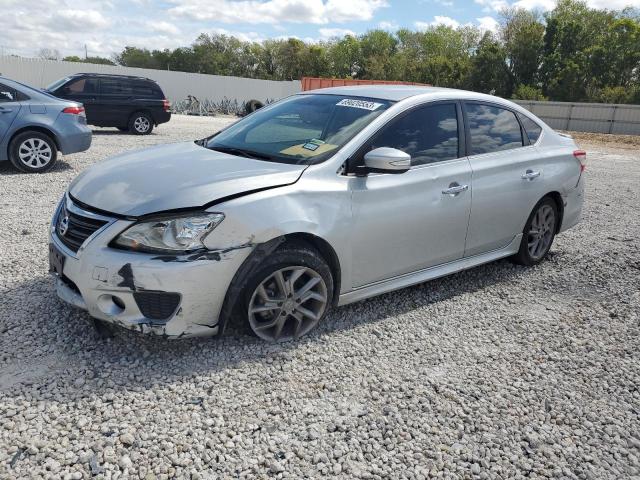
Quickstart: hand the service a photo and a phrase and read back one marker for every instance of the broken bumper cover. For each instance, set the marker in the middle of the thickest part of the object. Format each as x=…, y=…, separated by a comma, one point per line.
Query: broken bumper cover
x=179, y=296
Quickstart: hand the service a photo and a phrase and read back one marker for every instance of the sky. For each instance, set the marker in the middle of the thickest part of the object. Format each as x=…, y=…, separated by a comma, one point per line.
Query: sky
x=106, y=27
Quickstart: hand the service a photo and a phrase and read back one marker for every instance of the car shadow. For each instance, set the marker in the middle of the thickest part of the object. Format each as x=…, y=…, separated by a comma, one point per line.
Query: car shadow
x=6, y=168
x=109, y=132
x=47, y=345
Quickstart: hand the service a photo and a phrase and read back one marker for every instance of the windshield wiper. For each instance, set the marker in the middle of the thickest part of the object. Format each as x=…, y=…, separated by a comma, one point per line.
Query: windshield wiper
x=241, y=152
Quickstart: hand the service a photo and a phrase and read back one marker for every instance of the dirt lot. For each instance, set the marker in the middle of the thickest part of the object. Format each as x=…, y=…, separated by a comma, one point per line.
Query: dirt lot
x=497, y=372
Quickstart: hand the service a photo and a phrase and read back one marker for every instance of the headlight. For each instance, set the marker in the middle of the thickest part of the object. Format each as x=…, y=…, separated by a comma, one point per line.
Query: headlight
x=174, y=234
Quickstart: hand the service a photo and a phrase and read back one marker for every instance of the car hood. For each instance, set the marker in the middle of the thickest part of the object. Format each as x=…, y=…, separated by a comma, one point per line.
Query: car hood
x=177, y=176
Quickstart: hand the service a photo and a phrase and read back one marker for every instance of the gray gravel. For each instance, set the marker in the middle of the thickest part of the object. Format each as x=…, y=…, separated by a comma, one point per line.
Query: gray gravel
x=497, y=372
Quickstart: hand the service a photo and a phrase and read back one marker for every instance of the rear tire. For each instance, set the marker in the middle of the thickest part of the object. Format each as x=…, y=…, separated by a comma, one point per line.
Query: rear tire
x=288, y=295
x=140, y=124
x=538, y=233
x=33, y=152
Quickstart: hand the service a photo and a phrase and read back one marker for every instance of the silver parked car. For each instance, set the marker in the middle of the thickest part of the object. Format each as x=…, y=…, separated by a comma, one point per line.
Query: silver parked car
x=34, y=126
x=322, y=199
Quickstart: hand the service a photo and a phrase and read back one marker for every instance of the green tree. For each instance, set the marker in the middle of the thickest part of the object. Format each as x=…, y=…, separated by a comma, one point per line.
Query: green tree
x=489, y=72
x=572, y=31
x=136, y=57
x=344, y=57
x=522, y=32
x=377, y=49
x=527, y=92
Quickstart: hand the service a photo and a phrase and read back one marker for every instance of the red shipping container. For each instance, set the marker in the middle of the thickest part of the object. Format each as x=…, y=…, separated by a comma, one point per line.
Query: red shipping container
x=313, y=83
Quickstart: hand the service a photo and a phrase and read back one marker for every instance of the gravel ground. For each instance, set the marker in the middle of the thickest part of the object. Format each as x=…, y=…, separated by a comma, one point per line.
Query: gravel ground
x=496, y=372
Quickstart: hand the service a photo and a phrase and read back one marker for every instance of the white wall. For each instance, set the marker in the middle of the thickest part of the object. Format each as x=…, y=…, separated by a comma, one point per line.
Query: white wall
x=587, y=117
x=176, y=85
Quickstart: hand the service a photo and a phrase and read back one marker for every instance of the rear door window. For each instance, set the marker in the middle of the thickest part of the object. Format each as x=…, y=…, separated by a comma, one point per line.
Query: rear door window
x=532, y=129
x=7, y=94
x=429, y=134
x=111, y=86
x=492, y=128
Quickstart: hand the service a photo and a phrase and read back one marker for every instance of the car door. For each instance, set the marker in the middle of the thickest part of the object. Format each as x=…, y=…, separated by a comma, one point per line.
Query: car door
x=85, y=91
x=9, y=108
x=508, y=178
x=410, y=221
x=115, y=102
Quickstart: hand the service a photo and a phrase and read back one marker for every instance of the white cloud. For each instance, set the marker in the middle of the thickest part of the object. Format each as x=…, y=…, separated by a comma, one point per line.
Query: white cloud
x=535, y=4
x=277, y=11
x=613, y=4
x=390, y=26
x=438, y=20
x=79, y=20
x=163, y=27
x=545, y=5
x=492, y=5
x=327, y=33
x=244, y=36
x=487, y=24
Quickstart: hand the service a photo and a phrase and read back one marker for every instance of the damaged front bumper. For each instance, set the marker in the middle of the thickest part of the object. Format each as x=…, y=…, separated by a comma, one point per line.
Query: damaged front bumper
x=178, y=296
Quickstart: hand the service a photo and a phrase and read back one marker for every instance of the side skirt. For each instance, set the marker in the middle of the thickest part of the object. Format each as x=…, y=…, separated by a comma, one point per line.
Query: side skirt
x=430, y=273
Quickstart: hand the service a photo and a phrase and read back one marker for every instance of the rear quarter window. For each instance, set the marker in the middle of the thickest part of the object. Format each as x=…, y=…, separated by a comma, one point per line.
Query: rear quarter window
x=7, y=94
x=531, y=128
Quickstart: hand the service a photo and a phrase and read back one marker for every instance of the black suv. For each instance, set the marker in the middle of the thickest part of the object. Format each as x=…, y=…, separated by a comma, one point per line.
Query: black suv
x=133, y=104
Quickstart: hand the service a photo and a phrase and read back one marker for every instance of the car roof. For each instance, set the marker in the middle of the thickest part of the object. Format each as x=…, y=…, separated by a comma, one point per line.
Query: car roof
x=107, y=75
x=397, y=93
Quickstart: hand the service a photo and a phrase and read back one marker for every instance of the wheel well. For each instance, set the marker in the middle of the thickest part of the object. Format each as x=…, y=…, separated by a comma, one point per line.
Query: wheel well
x=327, y=252
x=267, y=248
x=36, y=128
x=556, y=197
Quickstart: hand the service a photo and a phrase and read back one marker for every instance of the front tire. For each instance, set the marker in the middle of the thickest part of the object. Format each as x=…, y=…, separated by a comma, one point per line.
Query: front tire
x=538, y=233
x=288, y=295
x=33, y=152
x=140, y=124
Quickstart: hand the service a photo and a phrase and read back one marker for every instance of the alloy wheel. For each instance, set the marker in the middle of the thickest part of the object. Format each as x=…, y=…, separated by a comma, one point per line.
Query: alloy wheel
x=541, y=232
x=35, y=153
x=141, y=124
x=287, y=304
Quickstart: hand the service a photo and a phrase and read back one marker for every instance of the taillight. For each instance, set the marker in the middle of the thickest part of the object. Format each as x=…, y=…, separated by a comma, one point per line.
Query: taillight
x=166, y=105
x=74, y=110
x=581, y=156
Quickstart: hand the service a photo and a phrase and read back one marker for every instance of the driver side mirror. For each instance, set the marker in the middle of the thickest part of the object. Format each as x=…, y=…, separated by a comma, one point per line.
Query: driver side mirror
x=387, y=160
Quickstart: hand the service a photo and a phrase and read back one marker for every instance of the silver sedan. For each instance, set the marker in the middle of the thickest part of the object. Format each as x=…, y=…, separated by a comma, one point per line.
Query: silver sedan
x=321, y=199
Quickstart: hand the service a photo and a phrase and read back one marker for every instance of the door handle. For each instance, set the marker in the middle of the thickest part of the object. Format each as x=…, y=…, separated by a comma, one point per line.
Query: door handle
x=5, y=110
x=530, y=175
x=454, y=189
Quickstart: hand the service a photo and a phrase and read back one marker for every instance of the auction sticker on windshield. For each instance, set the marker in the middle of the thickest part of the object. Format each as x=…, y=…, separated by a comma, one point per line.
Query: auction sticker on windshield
x=364, y=104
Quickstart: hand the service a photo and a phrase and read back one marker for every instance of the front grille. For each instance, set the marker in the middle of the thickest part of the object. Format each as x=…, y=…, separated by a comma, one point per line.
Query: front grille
x=157, y=305
x=73, y=229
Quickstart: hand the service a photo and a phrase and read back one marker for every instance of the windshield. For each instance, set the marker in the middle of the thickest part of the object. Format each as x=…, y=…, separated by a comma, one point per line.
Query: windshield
x=54, y=86
x=303, y=129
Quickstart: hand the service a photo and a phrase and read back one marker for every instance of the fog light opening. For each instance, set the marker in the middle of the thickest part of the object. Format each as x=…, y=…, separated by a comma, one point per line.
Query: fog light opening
x=119, y=303
x=111, y=305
